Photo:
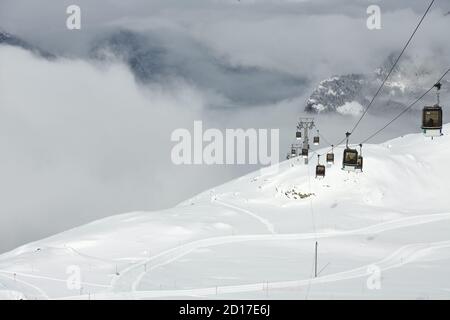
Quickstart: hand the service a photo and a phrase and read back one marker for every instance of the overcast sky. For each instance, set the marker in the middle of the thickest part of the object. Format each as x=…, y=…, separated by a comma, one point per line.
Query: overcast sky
x=81, y=140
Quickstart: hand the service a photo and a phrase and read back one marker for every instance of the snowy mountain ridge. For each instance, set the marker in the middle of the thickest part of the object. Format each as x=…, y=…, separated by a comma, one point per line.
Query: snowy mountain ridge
x=253, y=233
x=354, y=91
x=11, y=40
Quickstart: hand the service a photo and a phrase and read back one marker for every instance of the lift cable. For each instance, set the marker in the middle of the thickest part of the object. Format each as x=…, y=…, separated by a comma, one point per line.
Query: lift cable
x=388, y=75
x=393, y=67
x=406, y=109
x=399, y=115
x=323, y=138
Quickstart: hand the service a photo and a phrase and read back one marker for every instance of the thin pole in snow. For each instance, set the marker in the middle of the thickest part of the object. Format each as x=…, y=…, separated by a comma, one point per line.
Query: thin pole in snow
x=315, y=262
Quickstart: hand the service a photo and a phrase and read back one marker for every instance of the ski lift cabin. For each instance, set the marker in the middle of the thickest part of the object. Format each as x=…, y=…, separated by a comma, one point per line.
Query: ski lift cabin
x=359, y=164
x=330, y=158
x=293, y=152
x=432, y=117
x=320, y=171
x=350, y=159
x=432, y=121
x=305, y=153
x=316, y=140
x=298, y=135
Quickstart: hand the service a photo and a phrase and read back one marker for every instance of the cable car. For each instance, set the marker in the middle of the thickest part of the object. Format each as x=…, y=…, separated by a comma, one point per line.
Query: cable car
x=432, y=117
x=359, y=162
x=298, y=135
x=316, y=140
x=305, y=153
x=293, y=152
x=432, y=121
x=330, y=156
x=320, y=169
x=350, y=159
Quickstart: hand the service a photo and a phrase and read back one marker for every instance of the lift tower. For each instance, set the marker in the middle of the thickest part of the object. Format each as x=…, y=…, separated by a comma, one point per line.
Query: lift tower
x=305, y=124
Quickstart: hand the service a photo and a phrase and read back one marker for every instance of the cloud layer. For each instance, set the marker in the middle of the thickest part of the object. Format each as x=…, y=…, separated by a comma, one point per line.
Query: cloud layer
x=82, y=139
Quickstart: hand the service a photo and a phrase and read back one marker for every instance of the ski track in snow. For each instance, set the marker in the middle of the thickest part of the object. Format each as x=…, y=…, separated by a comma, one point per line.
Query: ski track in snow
x=126, y=284
x=34, y=276
x=128, y=280
x=41, y=293
x=264, y=221
x=400, y=257
x=83, y=255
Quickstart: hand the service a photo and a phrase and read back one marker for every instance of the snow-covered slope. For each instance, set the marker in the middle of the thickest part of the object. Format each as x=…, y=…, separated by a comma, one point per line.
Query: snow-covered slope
x=254, y=237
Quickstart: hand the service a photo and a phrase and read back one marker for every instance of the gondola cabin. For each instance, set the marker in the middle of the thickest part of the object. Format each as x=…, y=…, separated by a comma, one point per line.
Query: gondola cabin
x=359, y=164
x=350, y=159
x=305, y=153
x=293, y=153
x=298, y=135
x=320, y=171
x=432, y=121
x=316, y=141
x=330, y=158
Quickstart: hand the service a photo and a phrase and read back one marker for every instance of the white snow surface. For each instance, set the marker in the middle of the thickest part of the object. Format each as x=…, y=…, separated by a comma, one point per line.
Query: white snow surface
x=254, y=237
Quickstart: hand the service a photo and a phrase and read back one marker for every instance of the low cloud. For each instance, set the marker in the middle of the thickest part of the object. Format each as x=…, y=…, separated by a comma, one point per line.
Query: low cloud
x=81, y=139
